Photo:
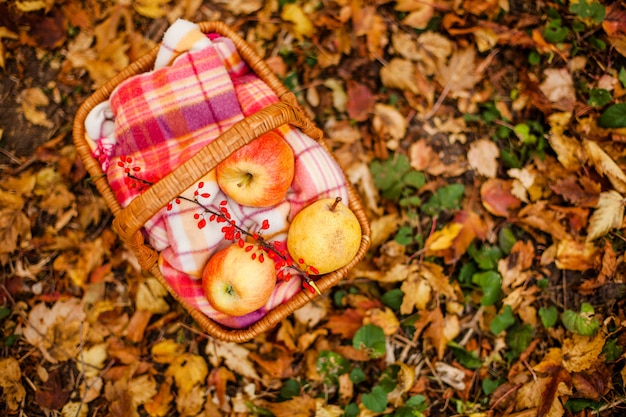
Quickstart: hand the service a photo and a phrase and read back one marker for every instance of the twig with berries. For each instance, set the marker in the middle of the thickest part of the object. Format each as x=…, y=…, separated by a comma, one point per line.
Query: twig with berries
x=234, y=232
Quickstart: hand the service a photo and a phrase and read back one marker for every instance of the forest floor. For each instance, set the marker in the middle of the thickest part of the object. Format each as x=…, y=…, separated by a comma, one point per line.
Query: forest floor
x=486, y=141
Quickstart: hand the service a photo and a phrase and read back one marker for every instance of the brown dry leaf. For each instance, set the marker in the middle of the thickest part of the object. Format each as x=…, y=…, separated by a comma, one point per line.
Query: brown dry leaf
x=419, y=288
x=541, y=216
x=75, y=409
x=14, y=227
x=57, y=331
x=483, y=157
x=440, y=330
x=514, y=268
x=301, y=406
x=608, y=215
x=242, y=7
x=151, y=297
x=576, y=256
x=31, y=99
x=361, y=101
x=219, y=378
x=424, y=158
x=90, y=361
x=400, y=73
x=497, y=197
x=605, y=165
x=235, y=357
x=581, y=353
x=10, y=382
x=274, y=359
x=5, y=33
x=613, y=25
x=388, y=122
x=558, y=87
x=459, y=75
x=435, y=48
x=419, y=12
x=160, y=404
x=345, y=324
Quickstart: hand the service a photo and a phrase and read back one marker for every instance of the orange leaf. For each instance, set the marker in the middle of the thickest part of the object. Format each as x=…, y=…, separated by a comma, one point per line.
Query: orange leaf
x=497, y=197
x=345, y=324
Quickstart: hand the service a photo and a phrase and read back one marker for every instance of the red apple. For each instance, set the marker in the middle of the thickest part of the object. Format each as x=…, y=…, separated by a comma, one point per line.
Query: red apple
x=258, y=174
x=239, y=280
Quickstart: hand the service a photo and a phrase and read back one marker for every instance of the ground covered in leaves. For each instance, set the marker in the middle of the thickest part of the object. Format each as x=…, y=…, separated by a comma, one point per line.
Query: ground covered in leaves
x=486, y=139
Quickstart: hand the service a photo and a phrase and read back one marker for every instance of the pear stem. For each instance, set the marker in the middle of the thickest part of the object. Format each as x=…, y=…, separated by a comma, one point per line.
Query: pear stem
x=334, y=206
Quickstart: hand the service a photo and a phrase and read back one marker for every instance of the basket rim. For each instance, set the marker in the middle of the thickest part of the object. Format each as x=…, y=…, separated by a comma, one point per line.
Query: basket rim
x=289, y=110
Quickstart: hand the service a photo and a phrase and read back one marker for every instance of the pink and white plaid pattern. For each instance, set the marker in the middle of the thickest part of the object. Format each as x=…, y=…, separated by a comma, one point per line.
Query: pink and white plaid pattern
x=163, y=117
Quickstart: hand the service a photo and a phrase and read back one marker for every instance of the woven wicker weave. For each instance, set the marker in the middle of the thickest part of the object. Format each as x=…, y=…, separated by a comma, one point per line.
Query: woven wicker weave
x=128, y=221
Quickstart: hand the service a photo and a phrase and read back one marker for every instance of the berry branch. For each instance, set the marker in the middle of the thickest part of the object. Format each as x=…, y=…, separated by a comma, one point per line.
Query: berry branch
x=234, y=232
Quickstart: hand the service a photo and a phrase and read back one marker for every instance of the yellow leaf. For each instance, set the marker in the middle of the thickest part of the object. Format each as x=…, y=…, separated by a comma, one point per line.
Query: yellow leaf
x=568, y=150
x=302, y=24
x=444, y=238
x=10, y=382
x=31, y=99
x=159, y=405
x=26, y=6
x=188, y=370
x=605, y=165
x=150, y=8
x=90, y=361
x=151, y=297
x=576, y=256
x=580, y=353
x=609, y=214
x=385, y=319
x=166, y=350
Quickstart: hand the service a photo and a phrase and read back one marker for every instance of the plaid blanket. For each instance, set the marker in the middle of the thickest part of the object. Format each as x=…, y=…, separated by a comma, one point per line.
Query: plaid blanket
x=155, y=121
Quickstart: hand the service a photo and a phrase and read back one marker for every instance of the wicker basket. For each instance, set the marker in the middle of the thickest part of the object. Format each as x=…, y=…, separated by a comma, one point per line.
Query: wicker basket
x=129, y=221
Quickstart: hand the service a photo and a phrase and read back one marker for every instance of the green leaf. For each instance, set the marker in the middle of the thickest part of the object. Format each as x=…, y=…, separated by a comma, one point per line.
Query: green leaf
x=486, y=257
x=599, y=97
x=466, y=273
x=372, y=338
x=445, y=198
x=613, y=117
x=331, y=365
x=489, y=385
x=357, y=375
x=522, y=130
x=290, y=389
x=548, y=316
x=404, y=236
x=4, y=312
x=413, y=407
x=491, y=284
x=352, y=410
x=502, y=321
x=612, y=351
x=470, y=360
x=393, y=299
x=414, y=179
x=394, y=174
x=592, y=10
x=376, y=400
x=622, y=76
x=576, y=405
x=506, y=239
x=518, y=338
x=582, y=323
x=555, y=32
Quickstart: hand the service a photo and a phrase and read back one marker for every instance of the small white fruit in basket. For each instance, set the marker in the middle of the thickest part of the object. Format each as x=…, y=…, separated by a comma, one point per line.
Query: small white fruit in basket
x=259, y=173
x=324, y=236
x=239, y=280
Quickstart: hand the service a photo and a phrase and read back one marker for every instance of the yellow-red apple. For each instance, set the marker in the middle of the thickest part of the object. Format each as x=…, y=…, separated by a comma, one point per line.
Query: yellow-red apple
x=239, y=280
x=259, y=173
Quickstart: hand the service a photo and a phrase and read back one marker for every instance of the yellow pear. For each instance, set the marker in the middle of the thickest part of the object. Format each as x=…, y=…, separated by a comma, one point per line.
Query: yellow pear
x=324, y=236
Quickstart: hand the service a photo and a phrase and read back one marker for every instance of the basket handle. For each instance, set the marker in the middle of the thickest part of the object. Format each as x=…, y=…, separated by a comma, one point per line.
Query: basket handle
x=131, y=219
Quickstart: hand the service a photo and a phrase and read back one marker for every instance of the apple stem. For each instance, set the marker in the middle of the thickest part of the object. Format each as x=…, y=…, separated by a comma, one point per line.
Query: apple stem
x=334, y=206
x=246, y=179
